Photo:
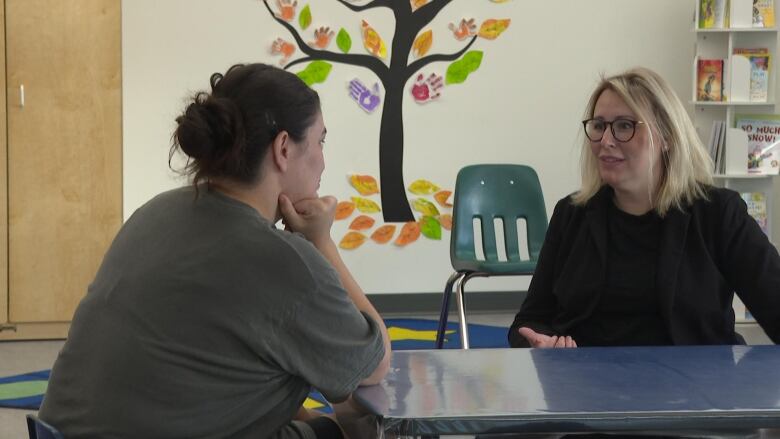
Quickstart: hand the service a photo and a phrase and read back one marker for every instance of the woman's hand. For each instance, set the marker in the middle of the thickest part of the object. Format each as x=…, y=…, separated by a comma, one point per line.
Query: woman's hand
x=537, y=340
x=311, y=217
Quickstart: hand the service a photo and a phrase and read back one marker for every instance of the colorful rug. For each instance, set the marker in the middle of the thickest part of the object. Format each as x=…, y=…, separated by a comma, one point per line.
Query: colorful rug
x=26, y=391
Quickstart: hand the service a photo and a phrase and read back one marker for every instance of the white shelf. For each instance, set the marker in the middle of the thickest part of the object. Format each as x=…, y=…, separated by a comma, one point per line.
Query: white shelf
x=732, y=103
x=740, y=176
x=736, y=29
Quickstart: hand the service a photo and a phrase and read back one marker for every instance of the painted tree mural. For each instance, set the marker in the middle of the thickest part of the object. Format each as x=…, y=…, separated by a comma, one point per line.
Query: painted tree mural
x=410, y=38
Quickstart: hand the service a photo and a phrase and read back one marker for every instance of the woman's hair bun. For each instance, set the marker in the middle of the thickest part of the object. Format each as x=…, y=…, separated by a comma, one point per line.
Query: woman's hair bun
x=209, y=127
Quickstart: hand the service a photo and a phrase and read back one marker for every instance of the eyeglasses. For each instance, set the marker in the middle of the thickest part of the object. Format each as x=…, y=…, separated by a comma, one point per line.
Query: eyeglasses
x=623, y=130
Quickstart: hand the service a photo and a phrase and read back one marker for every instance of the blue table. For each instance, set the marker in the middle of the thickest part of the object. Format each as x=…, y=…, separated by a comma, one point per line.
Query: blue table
x=697, y=388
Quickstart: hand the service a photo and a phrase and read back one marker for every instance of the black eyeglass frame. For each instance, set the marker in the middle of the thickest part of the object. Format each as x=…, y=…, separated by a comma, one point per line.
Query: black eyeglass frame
x=633, y=123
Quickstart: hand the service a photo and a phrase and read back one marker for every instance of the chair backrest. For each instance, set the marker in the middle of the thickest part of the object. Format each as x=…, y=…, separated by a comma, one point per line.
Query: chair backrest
x=38, y=429
x=487, y=192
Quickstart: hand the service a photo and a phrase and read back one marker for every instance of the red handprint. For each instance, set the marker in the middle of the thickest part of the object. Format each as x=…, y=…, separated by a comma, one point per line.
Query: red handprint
x=427, y=89
x=322, y=37
x=464, y=30
x=286, y=9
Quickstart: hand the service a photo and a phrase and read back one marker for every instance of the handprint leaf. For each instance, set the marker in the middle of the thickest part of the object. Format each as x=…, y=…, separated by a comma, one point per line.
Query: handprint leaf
x=458, y=71
x=304, y=19
x=425, y=207
x=430, y=227
x=423, y=187
x=352, y=240
x=492, y=28
x=422, y=44
x=315, y=73
x=446, y=221
x=344, y=209
x=364, y=184
x=362, y=222
x=365, y=205
x=383, y=234
x=343, y=40
x=441, y=197
x=410, y=232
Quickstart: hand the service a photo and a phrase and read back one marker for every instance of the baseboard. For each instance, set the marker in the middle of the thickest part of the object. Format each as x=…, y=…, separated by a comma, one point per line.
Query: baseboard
x=430, y=303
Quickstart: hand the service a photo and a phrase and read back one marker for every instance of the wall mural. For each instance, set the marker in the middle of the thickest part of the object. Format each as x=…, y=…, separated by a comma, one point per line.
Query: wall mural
x=410, y=38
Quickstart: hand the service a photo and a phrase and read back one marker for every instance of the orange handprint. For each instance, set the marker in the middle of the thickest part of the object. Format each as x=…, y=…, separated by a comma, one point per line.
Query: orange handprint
x=286, y=9
x=322, y=37
x=284, y=48
x=465, y=29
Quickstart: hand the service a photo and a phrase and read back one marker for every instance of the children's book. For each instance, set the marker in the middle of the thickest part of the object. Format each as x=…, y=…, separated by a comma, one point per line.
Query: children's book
x=756, y=207
x=763, y=131
x=713, y=14
x=709, y=83
x=763, y=13
x=759, y=72
x=709, y=80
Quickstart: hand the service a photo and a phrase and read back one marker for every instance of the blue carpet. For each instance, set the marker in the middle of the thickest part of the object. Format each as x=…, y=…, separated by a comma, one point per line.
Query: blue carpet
x=26, y=391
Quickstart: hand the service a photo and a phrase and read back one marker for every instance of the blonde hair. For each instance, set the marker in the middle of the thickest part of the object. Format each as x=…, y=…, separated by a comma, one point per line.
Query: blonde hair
x=687, y=167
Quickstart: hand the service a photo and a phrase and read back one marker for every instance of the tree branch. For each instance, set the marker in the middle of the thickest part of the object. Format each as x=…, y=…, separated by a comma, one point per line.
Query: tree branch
x=422, y=62
x=427, y=12
x=375, y=65
x=298, y=61
x=370, y=5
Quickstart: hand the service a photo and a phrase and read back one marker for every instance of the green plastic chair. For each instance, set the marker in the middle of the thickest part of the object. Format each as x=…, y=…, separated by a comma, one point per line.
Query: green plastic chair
x=487, y=192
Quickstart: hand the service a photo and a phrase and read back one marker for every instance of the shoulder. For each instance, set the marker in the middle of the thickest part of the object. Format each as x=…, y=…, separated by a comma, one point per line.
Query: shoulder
x=717, y=201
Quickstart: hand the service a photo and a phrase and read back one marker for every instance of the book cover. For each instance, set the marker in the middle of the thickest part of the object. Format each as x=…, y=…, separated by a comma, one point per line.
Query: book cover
x=709, y=80
x=763, y=13
x=713, y=14
x=756, y=207
x=759, y=72
x=763, y=131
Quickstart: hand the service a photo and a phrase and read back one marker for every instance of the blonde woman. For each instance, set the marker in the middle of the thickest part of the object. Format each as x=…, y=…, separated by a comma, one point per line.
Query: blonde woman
x=647, y=252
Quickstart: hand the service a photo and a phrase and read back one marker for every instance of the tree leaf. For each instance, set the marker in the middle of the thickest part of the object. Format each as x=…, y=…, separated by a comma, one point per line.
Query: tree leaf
x=362, y=222
x=365, y=205
x=441, y=197
x=344, y=209
x=383, y=234
x=343, y=40
x=304, y=19
x=492, y=28
x=430, y=227
x=352, y=240
x=425, y=207
x=422, y=44
x=446, y=221
x=423, y=187
x=410, y=232
x=316, y=72
x=458, y=71
x=364, y=184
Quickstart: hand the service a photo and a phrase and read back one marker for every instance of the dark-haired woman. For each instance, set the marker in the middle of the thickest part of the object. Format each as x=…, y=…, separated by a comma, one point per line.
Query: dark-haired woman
x=204, y=320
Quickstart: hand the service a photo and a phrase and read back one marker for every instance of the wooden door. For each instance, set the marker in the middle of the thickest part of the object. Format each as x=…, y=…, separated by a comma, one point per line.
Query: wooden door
x=64, y=150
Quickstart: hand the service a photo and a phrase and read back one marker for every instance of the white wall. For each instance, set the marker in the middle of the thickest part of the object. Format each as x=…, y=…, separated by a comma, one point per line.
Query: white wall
x=524, y=105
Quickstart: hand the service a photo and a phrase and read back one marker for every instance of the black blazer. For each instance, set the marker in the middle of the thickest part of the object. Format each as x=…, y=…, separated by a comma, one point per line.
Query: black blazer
x=707, y=251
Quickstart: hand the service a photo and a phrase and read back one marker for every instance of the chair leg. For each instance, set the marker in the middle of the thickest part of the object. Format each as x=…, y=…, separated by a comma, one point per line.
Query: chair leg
x=464, y=331
x=445, y=310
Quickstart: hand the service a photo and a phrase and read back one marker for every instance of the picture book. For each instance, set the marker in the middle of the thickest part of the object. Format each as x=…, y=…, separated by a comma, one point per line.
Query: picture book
x=763, y=13
x=759, y=72
x=763, y=131
x=756, y=207
x=709, y=80
x=713, y=14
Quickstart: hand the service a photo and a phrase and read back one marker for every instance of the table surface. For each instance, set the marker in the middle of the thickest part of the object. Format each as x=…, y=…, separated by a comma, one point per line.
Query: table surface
x=576, y=390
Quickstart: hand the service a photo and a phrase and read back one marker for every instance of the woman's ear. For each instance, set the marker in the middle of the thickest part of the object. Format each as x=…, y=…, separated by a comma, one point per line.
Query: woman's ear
x=281, y=150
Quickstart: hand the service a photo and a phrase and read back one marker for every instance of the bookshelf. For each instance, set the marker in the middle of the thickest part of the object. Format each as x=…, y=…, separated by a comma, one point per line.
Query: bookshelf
x=719, y=43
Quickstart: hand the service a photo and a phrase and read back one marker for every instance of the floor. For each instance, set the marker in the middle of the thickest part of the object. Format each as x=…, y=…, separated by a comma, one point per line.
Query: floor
x=21, y=357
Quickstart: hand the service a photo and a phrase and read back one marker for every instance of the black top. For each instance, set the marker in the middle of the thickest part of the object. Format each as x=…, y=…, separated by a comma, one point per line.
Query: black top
x=628, y=310
x=706, y=251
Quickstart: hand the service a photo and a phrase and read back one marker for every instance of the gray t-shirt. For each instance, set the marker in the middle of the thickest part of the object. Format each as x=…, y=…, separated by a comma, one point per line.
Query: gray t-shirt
x=205, y=321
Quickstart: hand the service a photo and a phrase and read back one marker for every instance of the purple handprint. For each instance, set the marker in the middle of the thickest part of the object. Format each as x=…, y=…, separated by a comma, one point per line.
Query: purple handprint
x=366, y=99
